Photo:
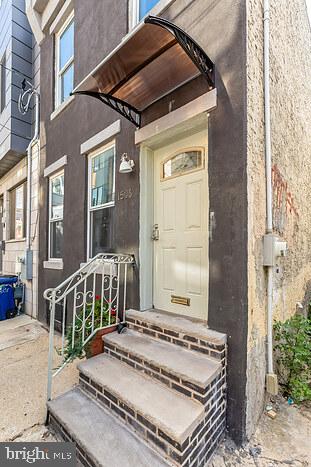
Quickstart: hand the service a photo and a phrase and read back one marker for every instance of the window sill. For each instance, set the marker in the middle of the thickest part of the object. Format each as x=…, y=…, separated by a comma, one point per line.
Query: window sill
x=53, y=264
x=17, y=240
x=61, y=107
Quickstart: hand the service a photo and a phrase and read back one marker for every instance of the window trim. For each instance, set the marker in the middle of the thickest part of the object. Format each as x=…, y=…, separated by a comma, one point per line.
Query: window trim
x=12, y=212
x=157, y=9
x=90, y=209
x=50, y=220
x=59, y=72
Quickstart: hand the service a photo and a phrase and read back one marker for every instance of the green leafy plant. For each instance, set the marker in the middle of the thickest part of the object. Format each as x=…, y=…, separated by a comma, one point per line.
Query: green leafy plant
x=293, y=351
x=74, y=348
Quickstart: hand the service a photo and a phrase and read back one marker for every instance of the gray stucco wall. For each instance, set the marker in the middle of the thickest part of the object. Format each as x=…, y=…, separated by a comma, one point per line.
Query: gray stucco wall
x=290, y=60
x=206, y=22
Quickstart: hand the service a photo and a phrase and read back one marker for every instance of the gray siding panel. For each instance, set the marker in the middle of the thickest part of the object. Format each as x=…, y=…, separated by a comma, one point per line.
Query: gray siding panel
x=20, y=18
x=19, y=144
x=22, y=50
x=16, y=41
x=15, y=91
x=15, y=114
x=22, y=65
x=21, y=128
x=19, y=4
x=21, y=34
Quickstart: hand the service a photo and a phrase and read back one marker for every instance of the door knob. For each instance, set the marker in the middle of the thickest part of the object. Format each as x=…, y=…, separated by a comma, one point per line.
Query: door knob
x=155, y=232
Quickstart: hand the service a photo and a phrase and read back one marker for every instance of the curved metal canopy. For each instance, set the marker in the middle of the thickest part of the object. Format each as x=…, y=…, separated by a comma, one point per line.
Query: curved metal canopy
x=149, y=64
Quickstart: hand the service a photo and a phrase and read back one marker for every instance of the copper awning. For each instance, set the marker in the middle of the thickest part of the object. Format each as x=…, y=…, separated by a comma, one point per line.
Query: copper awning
x=153, y=61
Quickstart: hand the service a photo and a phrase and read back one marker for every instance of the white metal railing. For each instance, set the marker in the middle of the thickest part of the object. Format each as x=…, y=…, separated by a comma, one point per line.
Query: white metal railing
x=95, y=297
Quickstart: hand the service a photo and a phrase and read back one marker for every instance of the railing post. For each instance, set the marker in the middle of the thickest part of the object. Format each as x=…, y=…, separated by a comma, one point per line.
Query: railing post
x=124, y=292
x=51, y=347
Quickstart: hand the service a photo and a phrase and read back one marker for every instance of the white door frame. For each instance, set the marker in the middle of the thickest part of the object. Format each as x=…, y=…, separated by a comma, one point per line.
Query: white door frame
x=189, y=119
x=145, y=228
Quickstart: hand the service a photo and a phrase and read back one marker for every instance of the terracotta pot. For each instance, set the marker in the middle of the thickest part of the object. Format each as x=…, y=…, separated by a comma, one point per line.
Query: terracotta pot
x=96, y=345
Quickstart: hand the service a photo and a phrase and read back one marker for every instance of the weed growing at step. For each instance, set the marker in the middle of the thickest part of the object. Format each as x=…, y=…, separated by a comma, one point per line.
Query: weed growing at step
x=87, y=321
x=293, y=351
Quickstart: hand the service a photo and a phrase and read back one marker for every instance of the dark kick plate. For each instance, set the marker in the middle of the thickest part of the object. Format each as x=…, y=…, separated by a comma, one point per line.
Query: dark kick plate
x=180, y=300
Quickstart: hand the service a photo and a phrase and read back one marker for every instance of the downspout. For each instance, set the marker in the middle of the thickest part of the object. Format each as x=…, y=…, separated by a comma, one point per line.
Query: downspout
x=29, y=185
x=271, y=378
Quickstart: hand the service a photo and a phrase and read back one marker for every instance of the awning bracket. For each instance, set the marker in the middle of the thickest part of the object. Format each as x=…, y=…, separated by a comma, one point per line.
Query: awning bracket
x=190, y=46
x=123, y=108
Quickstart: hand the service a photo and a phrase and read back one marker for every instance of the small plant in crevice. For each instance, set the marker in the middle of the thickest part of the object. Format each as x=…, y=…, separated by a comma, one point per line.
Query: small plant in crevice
x=74, y=347
x=293, y=356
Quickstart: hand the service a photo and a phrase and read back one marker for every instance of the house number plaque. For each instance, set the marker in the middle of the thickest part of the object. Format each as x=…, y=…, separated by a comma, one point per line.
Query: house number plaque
x=125, y=194
x=180, y=300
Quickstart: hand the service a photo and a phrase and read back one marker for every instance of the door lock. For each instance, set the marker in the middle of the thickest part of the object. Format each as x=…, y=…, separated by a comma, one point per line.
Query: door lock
x=155, y=232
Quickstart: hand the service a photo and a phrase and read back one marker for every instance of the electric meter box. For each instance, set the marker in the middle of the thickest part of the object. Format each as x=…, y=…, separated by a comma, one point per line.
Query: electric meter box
x=273, y=248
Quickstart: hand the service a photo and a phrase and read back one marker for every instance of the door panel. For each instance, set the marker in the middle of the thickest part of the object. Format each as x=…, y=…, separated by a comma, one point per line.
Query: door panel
x=180, y=210
x=168, y=258
x=169, y=209
x=193, y=204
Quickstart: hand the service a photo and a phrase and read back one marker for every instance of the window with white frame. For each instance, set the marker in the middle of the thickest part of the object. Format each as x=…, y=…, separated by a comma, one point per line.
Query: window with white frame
x=64, y=42
x=18, y=212
x=141, y=8
x=101, y=200
x=56, y=216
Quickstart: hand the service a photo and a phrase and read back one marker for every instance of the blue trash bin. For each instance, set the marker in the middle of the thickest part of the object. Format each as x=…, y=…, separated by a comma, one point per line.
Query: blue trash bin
x=7, y=303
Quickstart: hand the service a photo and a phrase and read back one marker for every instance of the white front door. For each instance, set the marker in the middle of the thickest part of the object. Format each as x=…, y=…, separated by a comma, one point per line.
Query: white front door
x=181, y=227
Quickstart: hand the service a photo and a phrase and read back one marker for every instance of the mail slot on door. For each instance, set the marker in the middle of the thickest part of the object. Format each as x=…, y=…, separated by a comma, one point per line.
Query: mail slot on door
x=180, y=300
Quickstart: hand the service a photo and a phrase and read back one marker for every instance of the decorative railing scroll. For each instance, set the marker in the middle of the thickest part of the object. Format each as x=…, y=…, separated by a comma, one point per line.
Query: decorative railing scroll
x=91, y=299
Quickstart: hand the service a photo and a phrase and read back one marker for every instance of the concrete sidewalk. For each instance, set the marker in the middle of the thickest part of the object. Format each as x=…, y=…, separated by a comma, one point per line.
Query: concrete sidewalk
x=284, y=441
x=23, y=379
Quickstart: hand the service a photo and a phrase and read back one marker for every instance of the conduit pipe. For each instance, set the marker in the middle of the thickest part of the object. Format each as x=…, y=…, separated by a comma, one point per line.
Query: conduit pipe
x=271, y=377
x=29, y=185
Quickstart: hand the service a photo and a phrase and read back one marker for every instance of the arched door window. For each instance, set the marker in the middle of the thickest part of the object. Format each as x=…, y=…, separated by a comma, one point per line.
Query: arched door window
x=183, y=162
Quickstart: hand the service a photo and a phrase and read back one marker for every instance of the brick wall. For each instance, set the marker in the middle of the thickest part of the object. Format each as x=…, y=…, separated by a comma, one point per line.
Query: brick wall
x=291, y=152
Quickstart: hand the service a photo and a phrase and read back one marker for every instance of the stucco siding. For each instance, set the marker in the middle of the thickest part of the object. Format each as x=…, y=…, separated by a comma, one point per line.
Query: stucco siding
x=83, y=117
x=290, y=58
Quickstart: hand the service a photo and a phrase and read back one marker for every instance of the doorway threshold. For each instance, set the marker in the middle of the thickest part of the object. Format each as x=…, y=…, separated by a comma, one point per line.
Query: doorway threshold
x=192, y=330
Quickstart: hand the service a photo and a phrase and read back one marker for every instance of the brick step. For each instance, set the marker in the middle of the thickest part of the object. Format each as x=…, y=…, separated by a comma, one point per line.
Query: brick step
x=176, y=426
x=101, y=440
x=191, y=373
x=178, y=330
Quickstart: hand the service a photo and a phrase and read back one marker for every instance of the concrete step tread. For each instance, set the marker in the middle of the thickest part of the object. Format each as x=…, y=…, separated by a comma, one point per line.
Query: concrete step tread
x=102, y=436
x=186, y=364
x=179, y=324
x=174, y=414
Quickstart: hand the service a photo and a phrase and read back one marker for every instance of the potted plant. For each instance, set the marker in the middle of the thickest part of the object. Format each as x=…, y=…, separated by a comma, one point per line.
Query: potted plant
x=93, y=347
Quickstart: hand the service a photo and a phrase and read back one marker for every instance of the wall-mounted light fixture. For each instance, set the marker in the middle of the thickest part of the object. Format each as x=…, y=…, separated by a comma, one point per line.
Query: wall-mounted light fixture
x=126, y=165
